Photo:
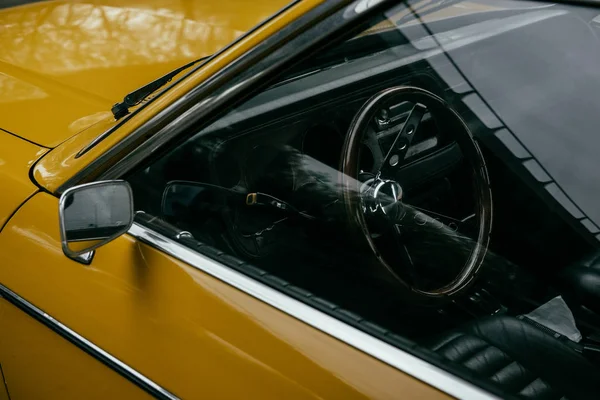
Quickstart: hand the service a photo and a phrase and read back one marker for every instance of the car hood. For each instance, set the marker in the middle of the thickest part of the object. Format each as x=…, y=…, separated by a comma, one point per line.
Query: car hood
x=63, y=64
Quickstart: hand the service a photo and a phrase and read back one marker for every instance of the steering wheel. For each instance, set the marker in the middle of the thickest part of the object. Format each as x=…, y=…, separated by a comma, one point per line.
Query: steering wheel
x=378, y=206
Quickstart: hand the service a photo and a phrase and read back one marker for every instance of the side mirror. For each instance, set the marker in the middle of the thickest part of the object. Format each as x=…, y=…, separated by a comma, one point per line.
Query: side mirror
x=178, y=196
x=92, y=215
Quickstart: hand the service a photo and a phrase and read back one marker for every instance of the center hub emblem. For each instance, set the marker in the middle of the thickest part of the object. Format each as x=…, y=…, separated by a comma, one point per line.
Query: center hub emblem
x=380, y=193
x=387, y=191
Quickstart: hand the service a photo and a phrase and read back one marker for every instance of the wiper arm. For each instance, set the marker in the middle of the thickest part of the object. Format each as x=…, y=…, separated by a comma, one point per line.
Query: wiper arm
x=134, y=98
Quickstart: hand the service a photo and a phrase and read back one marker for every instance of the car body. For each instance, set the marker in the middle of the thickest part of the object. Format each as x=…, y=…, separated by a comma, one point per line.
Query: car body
x=163, y=312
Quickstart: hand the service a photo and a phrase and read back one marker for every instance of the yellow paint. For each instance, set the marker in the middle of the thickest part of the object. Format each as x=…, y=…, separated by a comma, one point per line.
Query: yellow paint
x=63, y=64
x=193, y=334
x=39, y=364
x=61, y=164
x=16, y=159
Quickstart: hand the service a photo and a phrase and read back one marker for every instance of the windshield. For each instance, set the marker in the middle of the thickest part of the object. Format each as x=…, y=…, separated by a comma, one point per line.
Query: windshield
x=469, y=47
x=406, y=24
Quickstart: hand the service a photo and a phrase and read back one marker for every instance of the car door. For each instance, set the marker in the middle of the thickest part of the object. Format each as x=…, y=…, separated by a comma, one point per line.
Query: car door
x=152, y=316
x=165, y=325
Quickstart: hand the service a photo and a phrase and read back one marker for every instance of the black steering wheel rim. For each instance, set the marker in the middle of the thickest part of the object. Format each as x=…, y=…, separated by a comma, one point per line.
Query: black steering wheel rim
x=349, y=167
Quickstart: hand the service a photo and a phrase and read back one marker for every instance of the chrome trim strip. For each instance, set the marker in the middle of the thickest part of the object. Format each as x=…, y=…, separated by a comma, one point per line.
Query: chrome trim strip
x=101, y=355
x=368, y=344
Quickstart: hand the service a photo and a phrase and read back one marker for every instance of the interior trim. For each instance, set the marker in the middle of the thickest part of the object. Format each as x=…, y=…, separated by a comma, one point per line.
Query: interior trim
x=93, y=350
x=393, y=356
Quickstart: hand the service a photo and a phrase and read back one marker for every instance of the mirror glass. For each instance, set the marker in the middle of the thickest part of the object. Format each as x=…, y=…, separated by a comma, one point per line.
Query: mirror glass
x=94, y=214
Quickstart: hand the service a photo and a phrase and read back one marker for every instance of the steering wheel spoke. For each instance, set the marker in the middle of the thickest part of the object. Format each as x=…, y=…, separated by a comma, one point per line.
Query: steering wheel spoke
x=399, y=148
x=440, y=221
x=385, y=228
x=405, y=258
x=371, y=142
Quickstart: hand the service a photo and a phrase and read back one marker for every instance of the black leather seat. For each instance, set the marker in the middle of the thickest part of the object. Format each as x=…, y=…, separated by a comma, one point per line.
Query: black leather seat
x=520, y=359
x=582, y=281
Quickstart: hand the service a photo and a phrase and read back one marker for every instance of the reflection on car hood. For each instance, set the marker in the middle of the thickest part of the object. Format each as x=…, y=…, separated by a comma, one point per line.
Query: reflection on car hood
x=63, y=64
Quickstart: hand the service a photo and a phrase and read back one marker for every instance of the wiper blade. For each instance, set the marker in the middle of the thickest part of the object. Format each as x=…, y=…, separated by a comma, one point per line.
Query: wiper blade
x=134, y=98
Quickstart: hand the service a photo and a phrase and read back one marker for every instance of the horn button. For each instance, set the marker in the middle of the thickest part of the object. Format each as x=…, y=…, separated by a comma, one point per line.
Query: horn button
x=380, y=195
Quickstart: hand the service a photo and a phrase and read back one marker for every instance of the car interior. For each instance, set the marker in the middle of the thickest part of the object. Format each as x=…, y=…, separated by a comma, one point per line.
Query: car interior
x=387, y=183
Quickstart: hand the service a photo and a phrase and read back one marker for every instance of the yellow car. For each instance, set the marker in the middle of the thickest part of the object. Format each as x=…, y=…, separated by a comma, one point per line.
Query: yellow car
x=367, y=199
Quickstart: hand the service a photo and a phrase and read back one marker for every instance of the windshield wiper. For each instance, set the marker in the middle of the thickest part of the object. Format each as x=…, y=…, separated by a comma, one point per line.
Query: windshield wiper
x=134, y=98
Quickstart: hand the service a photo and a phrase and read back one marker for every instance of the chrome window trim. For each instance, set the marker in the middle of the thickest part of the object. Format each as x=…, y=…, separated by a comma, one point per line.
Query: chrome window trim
x=393, y=356
x=84, y=344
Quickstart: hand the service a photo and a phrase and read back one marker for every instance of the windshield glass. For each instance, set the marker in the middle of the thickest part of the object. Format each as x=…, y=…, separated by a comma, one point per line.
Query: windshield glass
x=469, y=47
x=407, y=24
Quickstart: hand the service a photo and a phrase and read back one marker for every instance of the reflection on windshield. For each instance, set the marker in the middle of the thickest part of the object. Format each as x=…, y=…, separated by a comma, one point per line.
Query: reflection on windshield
x=539, y=97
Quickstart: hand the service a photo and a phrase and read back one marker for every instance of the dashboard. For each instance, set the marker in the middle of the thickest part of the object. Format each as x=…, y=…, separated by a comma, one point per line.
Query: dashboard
x=294, y=158
x=264, y=154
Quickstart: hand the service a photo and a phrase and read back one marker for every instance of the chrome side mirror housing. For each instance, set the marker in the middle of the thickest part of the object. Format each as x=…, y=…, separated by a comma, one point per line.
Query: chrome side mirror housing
x=93, y=214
